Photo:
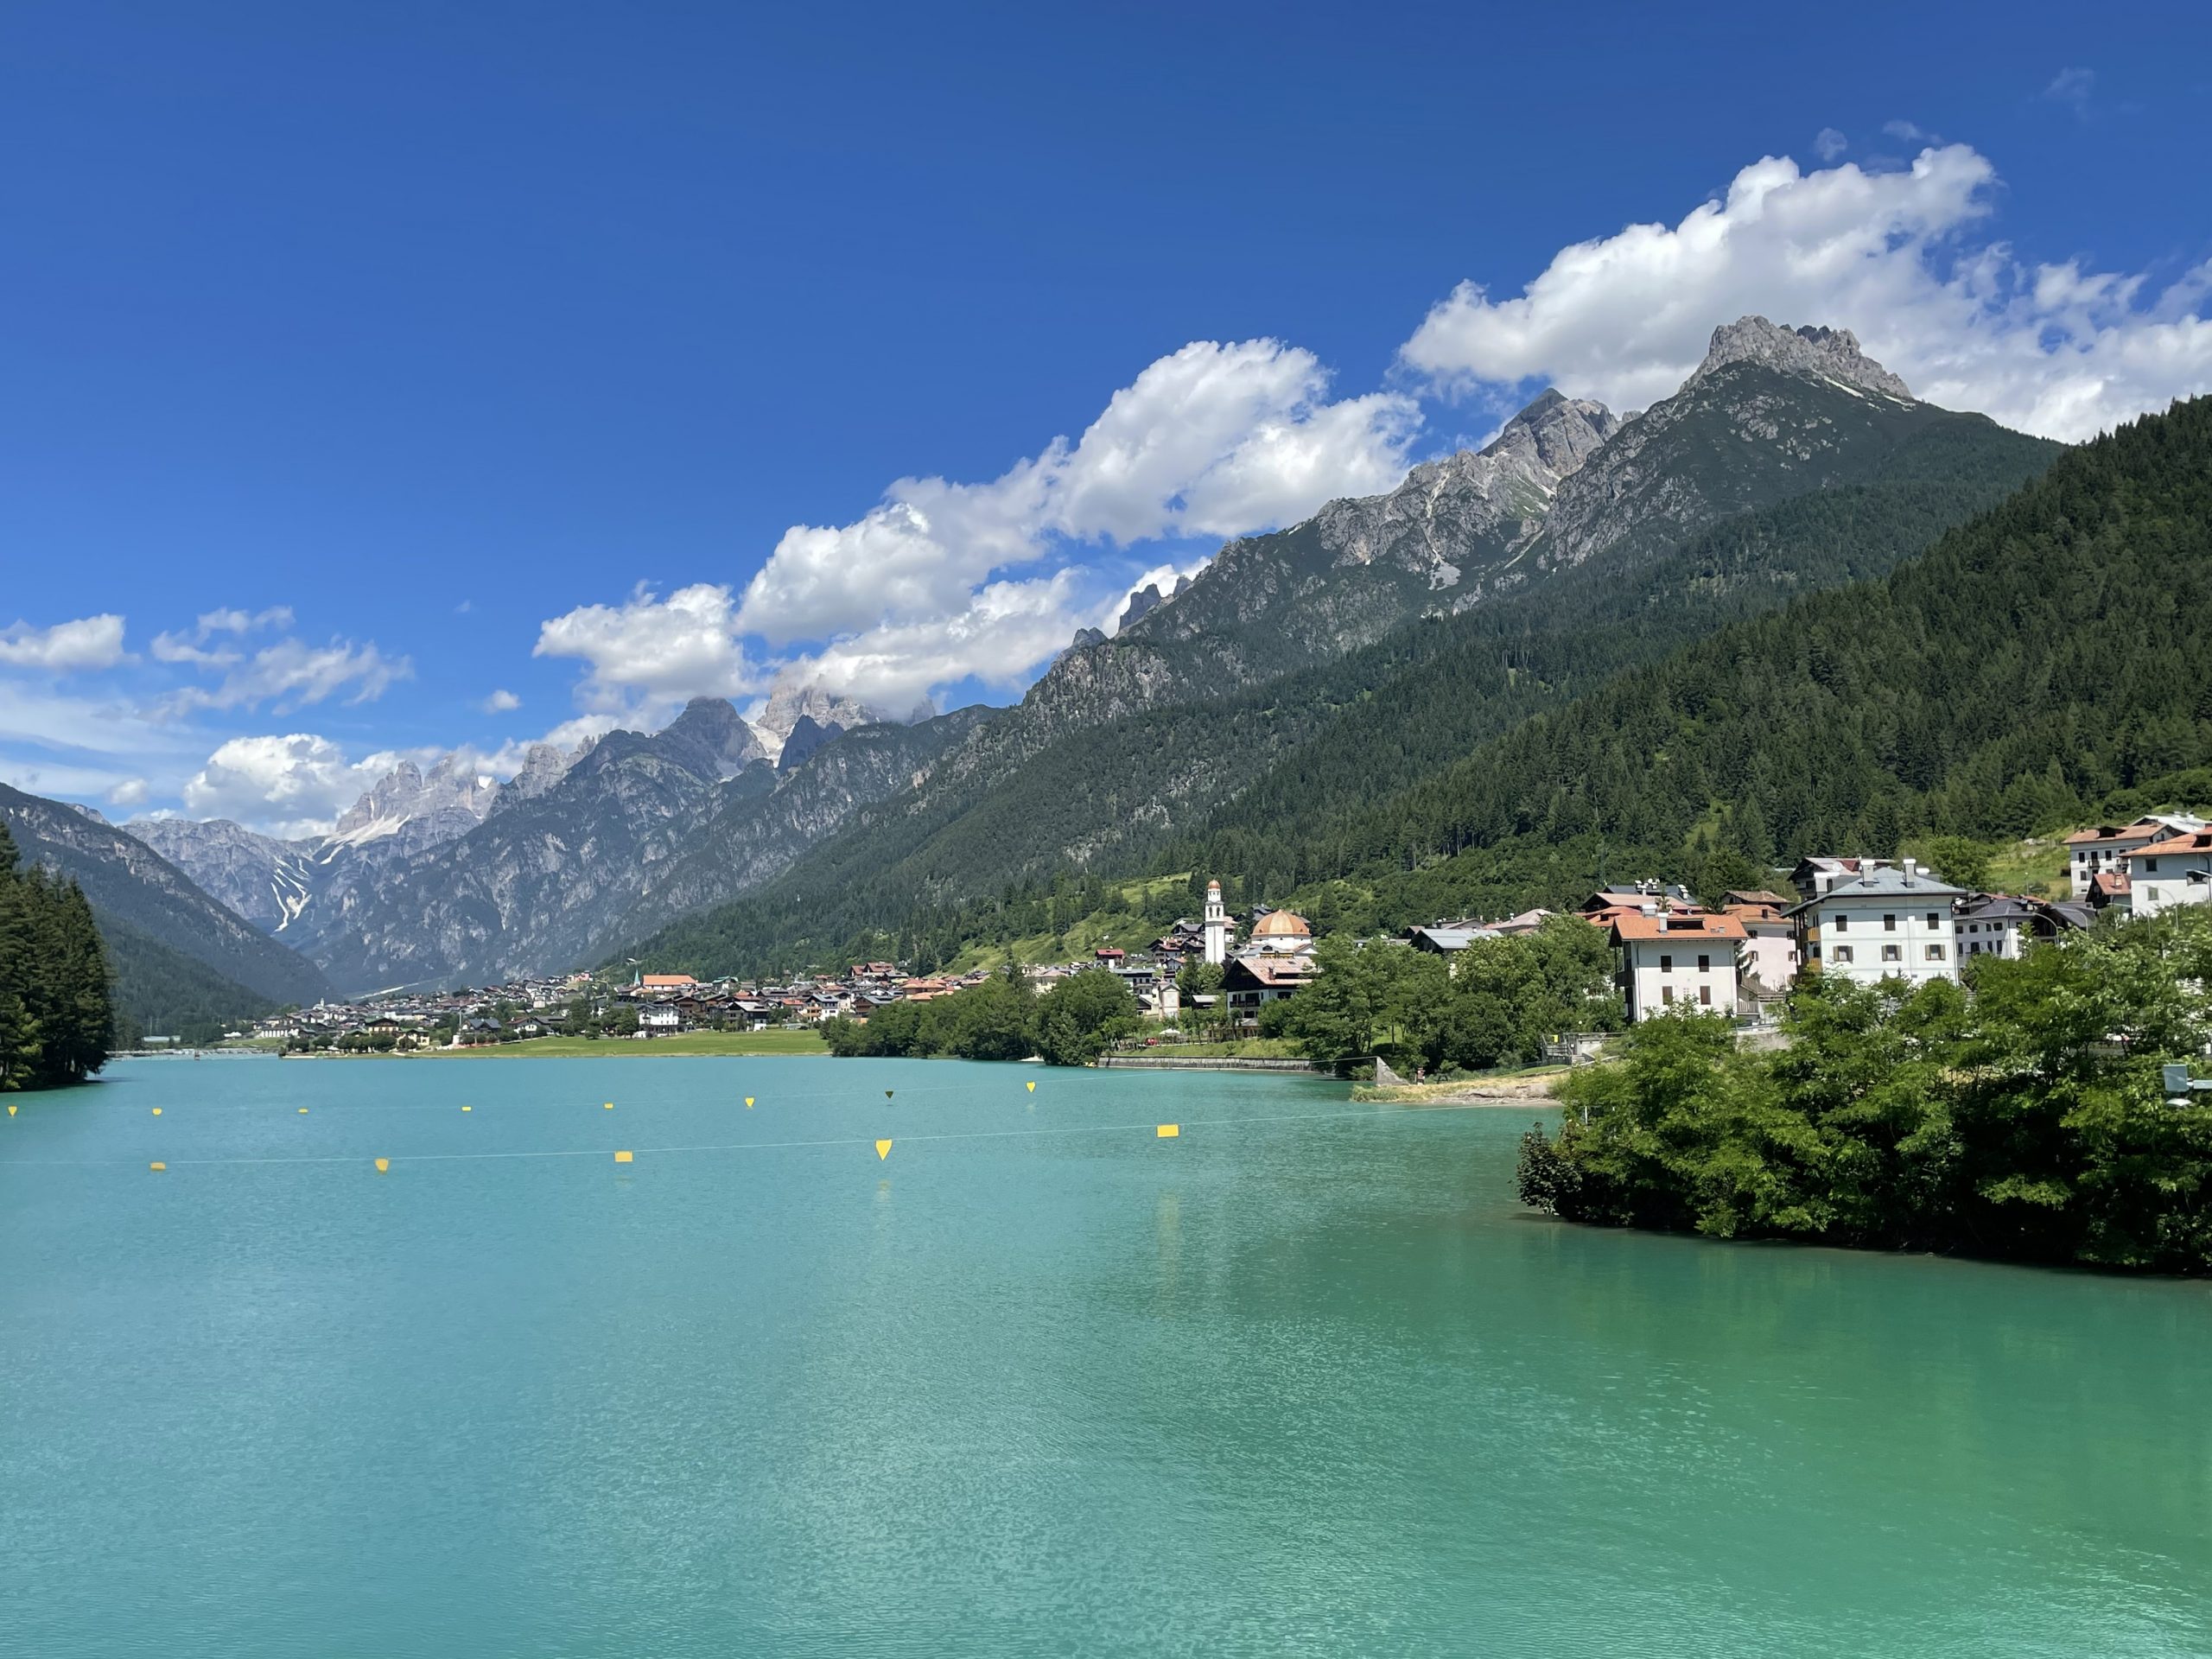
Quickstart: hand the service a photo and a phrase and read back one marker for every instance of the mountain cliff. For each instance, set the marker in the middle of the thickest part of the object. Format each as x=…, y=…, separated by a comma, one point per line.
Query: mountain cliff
x=691, y=814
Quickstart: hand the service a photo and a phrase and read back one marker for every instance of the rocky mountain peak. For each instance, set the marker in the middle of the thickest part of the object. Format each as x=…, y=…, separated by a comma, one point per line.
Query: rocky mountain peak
x=451, y=795
x=1148, y=599
x=1825, y=353
x=788, y=700
x=543, y=766
x=712, y=729
x=1556, y=433
x=806, y=737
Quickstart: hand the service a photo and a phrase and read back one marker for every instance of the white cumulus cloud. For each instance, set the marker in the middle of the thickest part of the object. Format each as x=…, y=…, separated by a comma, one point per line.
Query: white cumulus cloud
x=295, y=784
x=649, y=654
x=501, y=702
x=940, y=582
x=2052, y=348
x=90, y=642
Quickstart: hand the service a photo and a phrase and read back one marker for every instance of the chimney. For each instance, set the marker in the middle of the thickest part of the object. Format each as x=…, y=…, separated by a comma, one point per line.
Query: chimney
x=1911, y=870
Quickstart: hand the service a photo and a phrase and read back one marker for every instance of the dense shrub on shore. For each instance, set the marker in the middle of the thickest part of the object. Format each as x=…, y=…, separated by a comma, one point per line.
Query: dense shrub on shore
x=1500, y=999
x=1000, y=1018
x=2026, y=1121
x=56, y=1019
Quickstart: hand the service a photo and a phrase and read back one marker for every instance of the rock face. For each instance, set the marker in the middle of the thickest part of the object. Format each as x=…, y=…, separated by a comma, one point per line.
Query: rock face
x=417, y=809
x=267, y=882
x=1770, y=413
x=789, y=700
x=710, y=738
x=806, y=737
x=1147, y=600
x=543, y=766
x=1447, y=538
x=550, y=880
x=1832, y=354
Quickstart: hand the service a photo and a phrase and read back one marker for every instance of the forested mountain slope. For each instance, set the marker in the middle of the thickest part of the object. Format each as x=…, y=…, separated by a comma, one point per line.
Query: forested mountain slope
x=935, y=870
x=173, y=949
x=2032, y=664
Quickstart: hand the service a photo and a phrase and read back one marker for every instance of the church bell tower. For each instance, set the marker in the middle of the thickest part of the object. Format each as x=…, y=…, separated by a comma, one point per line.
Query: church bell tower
x=1216, y=923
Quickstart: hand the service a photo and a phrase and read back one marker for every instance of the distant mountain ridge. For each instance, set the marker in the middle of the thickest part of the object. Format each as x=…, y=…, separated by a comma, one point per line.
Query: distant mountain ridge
x=1570, y=517
x=1754, y=483
x=172, y=945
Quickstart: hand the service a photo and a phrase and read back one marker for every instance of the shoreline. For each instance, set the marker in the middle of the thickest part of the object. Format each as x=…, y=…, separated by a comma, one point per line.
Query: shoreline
x=1536, y=1090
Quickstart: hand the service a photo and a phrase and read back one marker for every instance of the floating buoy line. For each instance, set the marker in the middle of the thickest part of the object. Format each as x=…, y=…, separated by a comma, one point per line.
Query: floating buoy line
x=882, y=1147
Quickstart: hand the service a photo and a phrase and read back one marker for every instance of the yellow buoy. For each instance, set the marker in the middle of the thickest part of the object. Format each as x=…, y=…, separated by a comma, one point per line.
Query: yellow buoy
x=623, y=1158
x=1170, y=1131
x=157, y=1111
x=748, y=1100
x=610, y=1105
x=157, y=1166
x=469, y=1108
x=1033, y=1088
x=382, y=1163
x=303, y=1111
x=883, y=1148
x=11, y=1111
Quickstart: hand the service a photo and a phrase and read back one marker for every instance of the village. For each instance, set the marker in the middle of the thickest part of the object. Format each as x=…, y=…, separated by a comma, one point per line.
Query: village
x=1863, y=918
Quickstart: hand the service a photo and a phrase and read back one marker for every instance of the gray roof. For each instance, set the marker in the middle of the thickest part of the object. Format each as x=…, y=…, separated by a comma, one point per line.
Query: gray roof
x=2000, y=907
x=1886, y=884
x=1452, y=938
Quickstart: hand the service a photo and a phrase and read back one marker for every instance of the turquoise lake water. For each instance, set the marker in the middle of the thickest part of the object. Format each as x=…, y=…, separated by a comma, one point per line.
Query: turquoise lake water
x=1305, y=1380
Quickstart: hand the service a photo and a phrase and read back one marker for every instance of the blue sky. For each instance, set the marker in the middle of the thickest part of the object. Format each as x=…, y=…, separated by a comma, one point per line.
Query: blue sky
x=380, y=366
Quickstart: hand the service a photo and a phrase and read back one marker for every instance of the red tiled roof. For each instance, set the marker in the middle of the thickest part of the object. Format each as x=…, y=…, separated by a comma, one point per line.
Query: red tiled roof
x=1677, y=926
x=2198, y=841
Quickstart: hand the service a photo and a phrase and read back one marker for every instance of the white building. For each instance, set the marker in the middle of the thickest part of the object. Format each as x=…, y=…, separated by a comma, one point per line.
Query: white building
x=1884, y=923
x=1994, y=926
x=2092, y=853
x=1668, y=961
x=2177, y=870
x=1216, y=926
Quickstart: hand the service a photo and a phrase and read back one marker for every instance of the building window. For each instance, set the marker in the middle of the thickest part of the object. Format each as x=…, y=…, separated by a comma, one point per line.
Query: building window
x=1704, y=964
x=1840, y=922
x=1934, y=921
x=1667, y=994
x=1666, y=964
x=2150, y=867
x=1892, y=953
x=1842, y=953
x=1934, y=953
x=2151, y=893
x=1889, y=924
x=1705, y=995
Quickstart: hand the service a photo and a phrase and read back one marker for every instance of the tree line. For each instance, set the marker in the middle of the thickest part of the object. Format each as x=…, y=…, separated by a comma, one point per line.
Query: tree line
x=57, y=1019
x=1002, y=1018
x=1498, y=1002
x=2028, y=1122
